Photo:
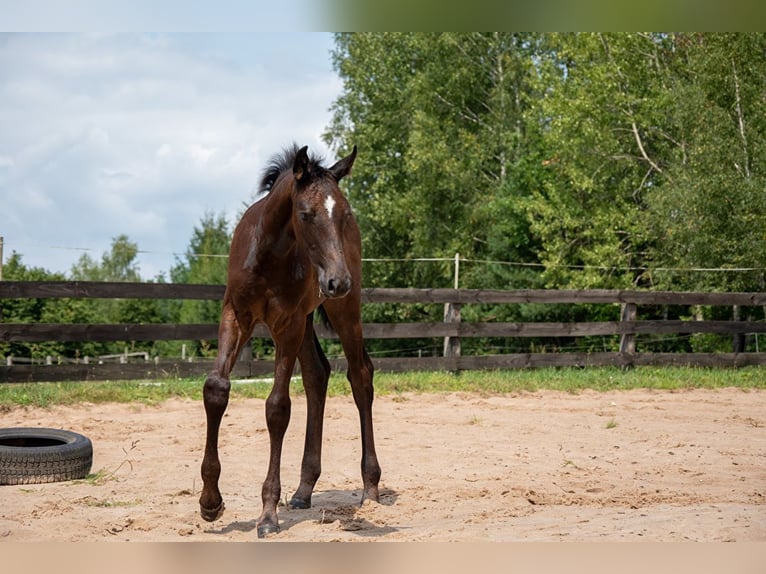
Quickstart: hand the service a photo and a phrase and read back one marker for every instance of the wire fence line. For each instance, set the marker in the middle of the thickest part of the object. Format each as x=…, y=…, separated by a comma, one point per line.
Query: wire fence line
x=561, y=265
x=461, y=259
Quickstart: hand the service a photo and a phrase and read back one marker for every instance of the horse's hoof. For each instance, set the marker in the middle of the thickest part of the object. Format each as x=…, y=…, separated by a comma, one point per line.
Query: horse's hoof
x=266, y=528
x=300, y=503
x=212, y=514
x=371, y=494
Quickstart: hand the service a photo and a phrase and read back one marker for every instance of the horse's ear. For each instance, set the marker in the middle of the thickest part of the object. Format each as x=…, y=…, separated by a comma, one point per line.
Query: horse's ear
x=343, y=167
x=301, y=164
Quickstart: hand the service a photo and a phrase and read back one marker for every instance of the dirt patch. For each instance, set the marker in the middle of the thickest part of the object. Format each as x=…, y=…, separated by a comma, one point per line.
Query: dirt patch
x=632, y=465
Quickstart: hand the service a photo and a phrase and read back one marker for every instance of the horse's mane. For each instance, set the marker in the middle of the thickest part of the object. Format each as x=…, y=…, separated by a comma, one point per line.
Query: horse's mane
x=284, y=161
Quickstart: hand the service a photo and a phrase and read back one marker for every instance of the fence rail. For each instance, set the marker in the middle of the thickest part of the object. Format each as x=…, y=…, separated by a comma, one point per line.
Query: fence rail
x=39, y=332
x=118, y=290
x=453, y=329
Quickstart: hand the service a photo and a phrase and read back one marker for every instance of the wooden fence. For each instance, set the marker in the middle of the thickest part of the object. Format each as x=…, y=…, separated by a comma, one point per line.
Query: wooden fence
x=452, y=330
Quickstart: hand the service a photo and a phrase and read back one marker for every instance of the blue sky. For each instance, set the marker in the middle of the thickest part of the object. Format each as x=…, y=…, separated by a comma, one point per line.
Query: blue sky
x=143, y=133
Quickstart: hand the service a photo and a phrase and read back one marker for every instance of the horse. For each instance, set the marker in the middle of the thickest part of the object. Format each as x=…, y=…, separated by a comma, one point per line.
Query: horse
x=295, y=250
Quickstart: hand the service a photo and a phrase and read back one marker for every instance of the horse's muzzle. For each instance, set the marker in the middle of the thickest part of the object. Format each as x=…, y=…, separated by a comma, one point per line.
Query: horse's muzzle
x=334, y=287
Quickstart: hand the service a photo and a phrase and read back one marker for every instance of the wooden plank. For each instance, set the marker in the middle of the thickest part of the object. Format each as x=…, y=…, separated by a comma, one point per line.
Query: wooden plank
x=542, y=360
x=39, y=332
x=262, y=368
x=711, y=360
x=102, y=333
x=107, y=290
x=690, y=327
x=551, y=329
x=593, y=296
x=70, y=332
x=117, y=290
x=547, y=329
x=129, y=371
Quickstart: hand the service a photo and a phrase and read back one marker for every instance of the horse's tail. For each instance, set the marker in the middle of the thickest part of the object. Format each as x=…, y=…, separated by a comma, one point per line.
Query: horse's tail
x=324, y=318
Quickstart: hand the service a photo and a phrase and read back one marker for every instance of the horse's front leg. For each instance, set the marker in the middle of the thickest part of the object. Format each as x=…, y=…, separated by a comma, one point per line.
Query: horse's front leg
x=231, y=339
x=360, y=373
x=315, y=371
x=346, y=320
x=277, y=418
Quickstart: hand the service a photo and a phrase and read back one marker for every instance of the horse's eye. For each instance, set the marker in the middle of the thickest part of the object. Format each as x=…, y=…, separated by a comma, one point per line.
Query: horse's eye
x=306, y=215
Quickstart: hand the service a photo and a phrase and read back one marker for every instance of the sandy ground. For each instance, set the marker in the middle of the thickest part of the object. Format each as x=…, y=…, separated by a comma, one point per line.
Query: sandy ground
x=631, y=465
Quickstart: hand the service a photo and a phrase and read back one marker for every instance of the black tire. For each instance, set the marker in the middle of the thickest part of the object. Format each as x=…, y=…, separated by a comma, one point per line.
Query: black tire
x=39, y=455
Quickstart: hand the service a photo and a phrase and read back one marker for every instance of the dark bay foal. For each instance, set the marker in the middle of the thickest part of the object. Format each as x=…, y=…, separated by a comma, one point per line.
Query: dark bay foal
x=295, y=249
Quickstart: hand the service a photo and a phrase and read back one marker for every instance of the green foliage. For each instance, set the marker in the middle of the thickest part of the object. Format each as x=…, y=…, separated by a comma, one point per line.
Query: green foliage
x=441, y=123
x=605, y=111
x=713, y=211
x=557, y=160
x=607, y=158
x=205, y=262
x=119, y=264
x=448, y=148
x=26, y=310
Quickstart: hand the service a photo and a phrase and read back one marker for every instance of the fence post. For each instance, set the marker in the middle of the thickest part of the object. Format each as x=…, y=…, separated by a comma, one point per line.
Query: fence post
x=452, y=315
x=628, y=312
x=738, y=340
x=246, y=354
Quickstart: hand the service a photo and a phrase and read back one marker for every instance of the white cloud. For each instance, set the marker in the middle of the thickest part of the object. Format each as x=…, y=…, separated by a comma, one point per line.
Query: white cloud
x=168, y=15
x=142, y=134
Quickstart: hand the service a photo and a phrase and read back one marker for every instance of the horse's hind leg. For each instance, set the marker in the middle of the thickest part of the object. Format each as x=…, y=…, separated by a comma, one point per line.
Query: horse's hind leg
x=231, y=339
x=315, y=371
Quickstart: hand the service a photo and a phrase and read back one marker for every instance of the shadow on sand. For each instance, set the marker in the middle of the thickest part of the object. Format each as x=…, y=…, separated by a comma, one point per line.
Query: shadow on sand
x=327, y=506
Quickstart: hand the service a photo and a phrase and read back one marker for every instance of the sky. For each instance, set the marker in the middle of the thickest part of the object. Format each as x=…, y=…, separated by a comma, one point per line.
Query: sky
x=142, y=134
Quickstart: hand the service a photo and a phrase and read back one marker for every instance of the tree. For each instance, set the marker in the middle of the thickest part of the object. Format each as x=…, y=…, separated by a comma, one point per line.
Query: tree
x=656, y=162
x=709, y=214
x=205, y=262
x=118, y=264
x=448, y=148
x=611, y=140
x=442, y=122
x=26, y=310
x=373, y=112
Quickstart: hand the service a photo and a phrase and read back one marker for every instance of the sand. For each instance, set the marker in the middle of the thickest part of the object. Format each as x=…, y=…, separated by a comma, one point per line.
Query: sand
x=543, y=466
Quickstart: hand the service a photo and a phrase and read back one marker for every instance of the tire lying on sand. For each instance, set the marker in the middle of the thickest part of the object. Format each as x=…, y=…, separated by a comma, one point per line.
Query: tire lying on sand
x=39, y=455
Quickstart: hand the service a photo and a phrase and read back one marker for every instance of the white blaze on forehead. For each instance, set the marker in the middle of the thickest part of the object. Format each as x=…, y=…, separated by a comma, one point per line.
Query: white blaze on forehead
x=329, y=203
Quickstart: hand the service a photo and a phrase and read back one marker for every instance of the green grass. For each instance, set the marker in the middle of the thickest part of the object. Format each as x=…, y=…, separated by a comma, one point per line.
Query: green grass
x=14, y=395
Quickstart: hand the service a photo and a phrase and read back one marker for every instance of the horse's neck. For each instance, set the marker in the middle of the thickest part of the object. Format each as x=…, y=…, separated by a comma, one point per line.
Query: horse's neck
x=276, y=223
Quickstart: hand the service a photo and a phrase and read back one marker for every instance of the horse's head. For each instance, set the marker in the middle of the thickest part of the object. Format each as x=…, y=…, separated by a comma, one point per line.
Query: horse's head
x=320, y=213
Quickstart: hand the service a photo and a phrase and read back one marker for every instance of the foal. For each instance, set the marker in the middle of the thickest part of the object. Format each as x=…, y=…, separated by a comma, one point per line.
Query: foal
x=295, y=249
